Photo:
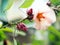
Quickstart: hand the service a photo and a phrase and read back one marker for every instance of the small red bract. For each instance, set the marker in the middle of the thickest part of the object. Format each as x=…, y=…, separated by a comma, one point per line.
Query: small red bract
x=30, y=14
x=21, y=26
x=49, y=4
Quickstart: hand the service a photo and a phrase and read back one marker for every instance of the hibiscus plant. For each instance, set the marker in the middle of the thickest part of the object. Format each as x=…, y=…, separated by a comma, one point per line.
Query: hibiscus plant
x=29, y=22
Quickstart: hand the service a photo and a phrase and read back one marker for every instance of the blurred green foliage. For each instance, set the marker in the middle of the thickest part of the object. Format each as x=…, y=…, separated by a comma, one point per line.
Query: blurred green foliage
x=55, y=2
x=53, y=33
x=37, y=42
x=53, y=36
x=2, y=35
x=27, y=3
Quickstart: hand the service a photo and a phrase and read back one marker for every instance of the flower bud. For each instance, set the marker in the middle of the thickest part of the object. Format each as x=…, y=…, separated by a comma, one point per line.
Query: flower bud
x=30, y=14
x=21, y=26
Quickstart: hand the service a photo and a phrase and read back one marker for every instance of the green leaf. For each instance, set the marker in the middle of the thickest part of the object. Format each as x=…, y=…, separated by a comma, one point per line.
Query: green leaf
x=2, y=35
x=20, y=33
x=7, y=29
x=57, y=43
x=27, y=3
x=51, y=37
x=54, y=31
x=55, y=2
x=18, y=43
x=58, y=13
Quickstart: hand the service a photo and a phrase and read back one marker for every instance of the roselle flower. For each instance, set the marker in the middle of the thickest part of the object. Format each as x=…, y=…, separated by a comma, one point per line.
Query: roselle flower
x=22, y=27
x=44, y=16
x=30, y=14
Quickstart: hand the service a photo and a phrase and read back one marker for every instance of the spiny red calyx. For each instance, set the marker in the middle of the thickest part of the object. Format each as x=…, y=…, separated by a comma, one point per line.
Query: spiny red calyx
x=30, y=14
x=21, y=26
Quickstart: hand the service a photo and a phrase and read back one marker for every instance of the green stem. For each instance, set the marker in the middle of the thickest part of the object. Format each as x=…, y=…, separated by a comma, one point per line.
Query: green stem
x=55, y=31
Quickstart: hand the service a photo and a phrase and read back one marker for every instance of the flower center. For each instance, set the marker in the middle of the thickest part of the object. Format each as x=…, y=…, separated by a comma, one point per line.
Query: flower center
x=39, y=16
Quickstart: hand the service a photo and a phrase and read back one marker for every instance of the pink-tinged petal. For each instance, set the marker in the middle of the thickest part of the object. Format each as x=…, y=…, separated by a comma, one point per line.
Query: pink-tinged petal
x=47, y=21
x=49, y=14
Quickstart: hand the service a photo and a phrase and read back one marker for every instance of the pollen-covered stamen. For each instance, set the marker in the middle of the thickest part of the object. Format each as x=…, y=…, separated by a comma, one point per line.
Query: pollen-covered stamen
x=39, y=16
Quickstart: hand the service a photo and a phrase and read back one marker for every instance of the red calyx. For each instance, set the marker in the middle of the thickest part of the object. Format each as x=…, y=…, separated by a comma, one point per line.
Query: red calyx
x=21, y=26
x=30, y=14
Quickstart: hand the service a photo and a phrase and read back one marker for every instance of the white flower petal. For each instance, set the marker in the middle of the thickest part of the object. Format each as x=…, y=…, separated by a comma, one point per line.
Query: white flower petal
x=40, y=6
x=15, y=13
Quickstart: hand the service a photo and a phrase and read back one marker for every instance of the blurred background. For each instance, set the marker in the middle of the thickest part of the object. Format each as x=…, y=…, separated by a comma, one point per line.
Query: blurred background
x=9, y=35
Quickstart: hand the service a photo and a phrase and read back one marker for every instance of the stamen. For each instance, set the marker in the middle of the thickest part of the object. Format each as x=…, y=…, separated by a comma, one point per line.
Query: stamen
x=39, y=16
